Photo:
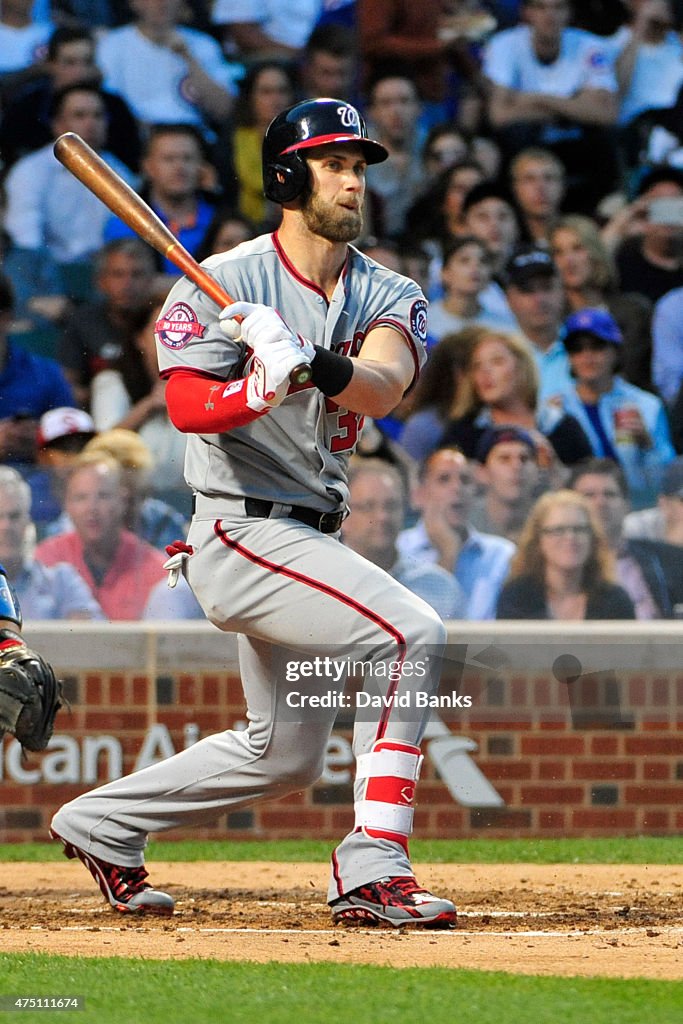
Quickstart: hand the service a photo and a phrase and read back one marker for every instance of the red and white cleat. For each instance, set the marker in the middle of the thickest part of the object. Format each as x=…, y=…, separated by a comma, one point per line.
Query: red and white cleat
x=124, y=888
x=396, y=902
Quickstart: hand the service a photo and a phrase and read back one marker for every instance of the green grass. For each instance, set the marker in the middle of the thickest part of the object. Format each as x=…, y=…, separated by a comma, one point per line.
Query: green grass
x=630, y=850
x=157, y=992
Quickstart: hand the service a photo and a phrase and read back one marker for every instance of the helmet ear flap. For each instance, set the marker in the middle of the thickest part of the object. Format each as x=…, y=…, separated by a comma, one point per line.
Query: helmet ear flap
x=283, y=182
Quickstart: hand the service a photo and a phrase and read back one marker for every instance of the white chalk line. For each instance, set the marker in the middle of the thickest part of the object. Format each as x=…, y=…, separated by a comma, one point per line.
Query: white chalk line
x=516, y=914
x=612, y=933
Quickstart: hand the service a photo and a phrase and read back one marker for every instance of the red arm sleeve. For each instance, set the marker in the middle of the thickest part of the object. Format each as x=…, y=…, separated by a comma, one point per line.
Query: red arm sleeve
x=200, y=405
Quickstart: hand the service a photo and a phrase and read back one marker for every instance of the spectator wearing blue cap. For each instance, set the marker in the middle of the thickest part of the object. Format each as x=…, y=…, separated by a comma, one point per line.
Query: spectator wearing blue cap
x=509, y=476
x=622, y=422
x=590, y=280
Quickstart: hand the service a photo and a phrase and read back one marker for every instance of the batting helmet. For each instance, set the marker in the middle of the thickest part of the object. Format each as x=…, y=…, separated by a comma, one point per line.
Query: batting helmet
x=307, y=124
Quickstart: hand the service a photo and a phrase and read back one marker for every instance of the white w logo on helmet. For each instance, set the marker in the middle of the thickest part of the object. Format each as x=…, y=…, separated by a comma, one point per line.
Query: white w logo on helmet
x=349, y=117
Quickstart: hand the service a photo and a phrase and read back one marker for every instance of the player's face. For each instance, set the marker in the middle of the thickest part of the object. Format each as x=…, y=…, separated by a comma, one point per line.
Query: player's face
x=376, y=513
x=94, y=503
x=14, y=522
x=333, y=206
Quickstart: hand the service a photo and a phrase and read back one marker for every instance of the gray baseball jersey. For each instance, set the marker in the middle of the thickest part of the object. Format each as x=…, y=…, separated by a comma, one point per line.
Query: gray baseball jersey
x=299, y=451
x=290, y=591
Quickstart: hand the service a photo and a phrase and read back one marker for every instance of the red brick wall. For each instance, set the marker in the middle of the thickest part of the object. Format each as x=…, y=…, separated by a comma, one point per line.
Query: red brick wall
x=605, y=758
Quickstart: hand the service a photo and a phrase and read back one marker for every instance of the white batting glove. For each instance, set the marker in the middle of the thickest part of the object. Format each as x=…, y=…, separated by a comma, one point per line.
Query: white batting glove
x=260, y=328
x=268, y=382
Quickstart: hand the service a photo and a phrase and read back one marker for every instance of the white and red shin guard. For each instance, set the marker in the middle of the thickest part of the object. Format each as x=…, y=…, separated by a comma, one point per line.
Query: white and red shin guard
x=390, y=772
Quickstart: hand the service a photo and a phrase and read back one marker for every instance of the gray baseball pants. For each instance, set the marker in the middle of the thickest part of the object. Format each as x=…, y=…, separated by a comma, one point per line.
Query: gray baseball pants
x=291, y=593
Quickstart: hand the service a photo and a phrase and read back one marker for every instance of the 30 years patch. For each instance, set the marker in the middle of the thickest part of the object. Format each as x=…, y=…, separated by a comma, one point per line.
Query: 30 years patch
x=179, y=326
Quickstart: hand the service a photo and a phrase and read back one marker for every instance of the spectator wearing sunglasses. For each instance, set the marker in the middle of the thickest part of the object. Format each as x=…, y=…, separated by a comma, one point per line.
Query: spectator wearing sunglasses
x=622, y=422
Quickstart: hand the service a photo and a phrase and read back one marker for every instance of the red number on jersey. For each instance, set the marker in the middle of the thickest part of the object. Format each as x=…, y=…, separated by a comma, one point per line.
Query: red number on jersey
x=349, y=426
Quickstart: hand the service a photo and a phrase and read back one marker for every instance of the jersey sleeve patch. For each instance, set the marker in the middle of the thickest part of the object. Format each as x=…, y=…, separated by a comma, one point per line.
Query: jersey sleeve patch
x=179, y=326
x=418, y=320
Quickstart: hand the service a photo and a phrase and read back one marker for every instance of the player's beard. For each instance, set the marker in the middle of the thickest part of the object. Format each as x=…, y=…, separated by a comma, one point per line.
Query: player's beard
x=335, y=223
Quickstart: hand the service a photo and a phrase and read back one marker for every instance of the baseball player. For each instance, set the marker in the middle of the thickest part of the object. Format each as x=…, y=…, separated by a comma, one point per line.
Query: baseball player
x=267, y=463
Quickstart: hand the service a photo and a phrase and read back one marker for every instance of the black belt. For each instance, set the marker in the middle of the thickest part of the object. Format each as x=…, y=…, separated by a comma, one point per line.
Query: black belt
x=325, y=522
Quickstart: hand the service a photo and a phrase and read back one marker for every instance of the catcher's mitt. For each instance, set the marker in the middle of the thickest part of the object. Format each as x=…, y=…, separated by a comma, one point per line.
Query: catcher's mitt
x=30, y=695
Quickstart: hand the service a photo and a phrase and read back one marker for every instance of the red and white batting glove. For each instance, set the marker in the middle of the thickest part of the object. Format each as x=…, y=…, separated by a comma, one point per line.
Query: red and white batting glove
x=261, y=327
x=268, y=382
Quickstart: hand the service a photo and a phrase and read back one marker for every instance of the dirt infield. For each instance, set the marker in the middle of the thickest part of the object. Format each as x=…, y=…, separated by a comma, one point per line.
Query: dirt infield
x=617, y=921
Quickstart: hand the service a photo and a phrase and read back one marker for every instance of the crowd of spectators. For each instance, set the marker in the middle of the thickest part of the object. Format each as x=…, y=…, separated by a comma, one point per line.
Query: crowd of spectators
x=534, y=190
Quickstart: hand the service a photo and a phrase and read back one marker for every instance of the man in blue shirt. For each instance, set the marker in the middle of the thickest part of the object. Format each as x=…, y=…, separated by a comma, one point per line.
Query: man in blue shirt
x=29, y=386
x=536, y=297
x=172, y=166
x=443, y=534
x=378, y=508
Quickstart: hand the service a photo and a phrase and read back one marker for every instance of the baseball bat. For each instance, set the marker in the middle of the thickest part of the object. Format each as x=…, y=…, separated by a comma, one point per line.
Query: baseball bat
x=97, y=176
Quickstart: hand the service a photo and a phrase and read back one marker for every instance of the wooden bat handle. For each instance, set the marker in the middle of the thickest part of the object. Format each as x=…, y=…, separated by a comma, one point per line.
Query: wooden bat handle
x=97, y=176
